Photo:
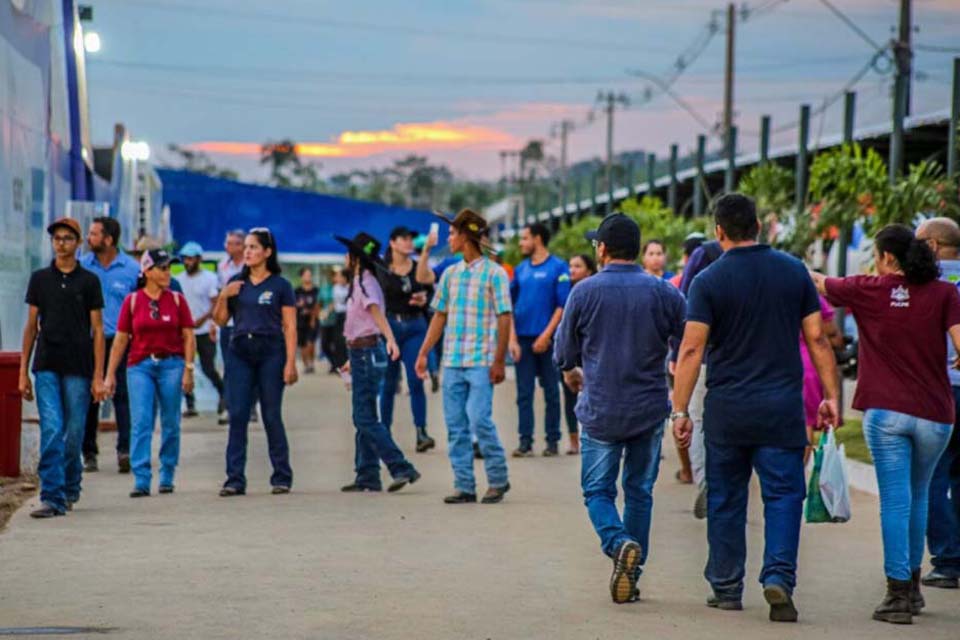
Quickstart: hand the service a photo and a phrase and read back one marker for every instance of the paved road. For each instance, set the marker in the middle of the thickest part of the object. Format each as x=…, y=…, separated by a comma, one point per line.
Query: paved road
x=321, y=564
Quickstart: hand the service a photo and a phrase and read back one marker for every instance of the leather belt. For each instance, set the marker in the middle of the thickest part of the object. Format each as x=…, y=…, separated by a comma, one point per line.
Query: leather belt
x=364, y=342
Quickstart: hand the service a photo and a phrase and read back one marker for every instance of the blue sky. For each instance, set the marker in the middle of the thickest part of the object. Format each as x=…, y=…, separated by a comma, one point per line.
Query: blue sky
x=461, y=80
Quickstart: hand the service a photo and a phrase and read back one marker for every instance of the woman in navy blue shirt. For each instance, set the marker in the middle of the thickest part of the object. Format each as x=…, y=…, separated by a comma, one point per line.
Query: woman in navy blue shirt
x=263, y=351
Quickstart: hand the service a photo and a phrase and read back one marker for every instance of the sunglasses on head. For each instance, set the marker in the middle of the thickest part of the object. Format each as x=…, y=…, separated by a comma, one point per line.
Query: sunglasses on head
x=154, y=309
x=263, y=230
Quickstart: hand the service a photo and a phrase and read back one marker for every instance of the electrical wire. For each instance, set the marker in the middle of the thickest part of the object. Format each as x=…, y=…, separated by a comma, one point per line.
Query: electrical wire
x=936, y=48
x=847, y=20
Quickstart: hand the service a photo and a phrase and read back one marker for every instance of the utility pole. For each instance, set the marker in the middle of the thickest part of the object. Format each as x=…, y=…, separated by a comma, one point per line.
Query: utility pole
x=728, y=74
x=903, y=53
x=611, y=99
x=565, y=127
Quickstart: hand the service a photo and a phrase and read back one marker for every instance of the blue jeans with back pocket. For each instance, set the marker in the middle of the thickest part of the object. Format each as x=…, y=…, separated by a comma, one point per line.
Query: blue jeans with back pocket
x=905, y=451
x=373, y=440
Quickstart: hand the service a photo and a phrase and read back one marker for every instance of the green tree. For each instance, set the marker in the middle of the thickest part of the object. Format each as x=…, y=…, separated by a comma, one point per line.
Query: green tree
x=199, y=162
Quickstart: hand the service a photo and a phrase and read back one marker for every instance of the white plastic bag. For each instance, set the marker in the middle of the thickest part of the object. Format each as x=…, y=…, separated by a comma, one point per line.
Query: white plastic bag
x=834, y=484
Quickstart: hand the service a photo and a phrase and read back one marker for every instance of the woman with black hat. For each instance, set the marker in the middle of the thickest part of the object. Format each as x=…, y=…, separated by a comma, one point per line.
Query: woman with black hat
x=406, y=300
x=366, y=329
x=263, y=352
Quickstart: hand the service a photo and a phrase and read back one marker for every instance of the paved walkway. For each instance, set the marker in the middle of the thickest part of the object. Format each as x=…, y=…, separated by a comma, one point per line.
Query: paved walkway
x=322, y=564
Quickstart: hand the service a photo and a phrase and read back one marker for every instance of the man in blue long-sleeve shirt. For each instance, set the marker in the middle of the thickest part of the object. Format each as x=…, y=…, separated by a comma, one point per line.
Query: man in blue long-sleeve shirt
x=613, y=342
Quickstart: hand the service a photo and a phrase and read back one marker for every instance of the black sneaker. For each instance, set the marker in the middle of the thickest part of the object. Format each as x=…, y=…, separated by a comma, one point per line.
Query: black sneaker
x=223, y=418
x=495, y=494
x=781, y=604
x=940, y=580
x=165, y=488
x=477, y=454
x=140, y=493
x=551, y=451
x=724, y=604
x=123, y=463
x=190, y=413
x=90, y=464
x=461, y=497
x=45, y=511
x=230, y=492
x=523, y=451
x=402, y=481
x=434, y=383
x=623, y=581
x=280, y=489
x=424, y=442
x=359, y=488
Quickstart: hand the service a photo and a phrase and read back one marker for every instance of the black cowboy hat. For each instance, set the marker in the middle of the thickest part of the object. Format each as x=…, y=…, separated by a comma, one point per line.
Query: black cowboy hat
x=470, y=223
x=364, y=246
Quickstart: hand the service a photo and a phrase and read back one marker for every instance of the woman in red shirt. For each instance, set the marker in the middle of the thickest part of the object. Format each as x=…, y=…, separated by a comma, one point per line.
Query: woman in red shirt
x=902, y=315
x=157, y=325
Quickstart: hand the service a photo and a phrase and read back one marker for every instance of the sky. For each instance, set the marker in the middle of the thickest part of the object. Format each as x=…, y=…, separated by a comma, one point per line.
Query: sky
x=358, y=84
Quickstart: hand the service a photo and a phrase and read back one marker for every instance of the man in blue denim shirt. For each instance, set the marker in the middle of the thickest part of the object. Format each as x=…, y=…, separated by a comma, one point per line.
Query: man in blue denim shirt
x=616, y=326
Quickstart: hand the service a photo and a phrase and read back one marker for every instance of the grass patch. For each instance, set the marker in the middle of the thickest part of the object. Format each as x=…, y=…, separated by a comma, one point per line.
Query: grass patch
x=851, y=436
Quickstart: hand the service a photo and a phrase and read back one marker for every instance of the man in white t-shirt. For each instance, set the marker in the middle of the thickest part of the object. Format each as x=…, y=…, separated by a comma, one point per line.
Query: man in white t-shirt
x=200, y=289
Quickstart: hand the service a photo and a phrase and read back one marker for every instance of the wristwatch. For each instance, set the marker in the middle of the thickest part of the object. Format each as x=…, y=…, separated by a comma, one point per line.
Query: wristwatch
x=678, y=414
x=189, y=366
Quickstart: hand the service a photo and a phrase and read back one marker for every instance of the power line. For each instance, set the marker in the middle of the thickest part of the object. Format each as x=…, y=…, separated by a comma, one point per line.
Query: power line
x=936, y=48
x=847, y=20
x=329, y=23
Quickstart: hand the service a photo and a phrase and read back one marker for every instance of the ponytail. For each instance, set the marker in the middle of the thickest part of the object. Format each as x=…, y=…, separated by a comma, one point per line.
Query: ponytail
x=916, y=258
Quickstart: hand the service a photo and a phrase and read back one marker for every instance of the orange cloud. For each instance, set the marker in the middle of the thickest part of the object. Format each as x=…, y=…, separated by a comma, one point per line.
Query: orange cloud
x=402, y=137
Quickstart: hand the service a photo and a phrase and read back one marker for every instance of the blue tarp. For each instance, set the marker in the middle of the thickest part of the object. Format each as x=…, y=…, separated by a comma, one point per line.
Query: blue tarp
x=203, y=209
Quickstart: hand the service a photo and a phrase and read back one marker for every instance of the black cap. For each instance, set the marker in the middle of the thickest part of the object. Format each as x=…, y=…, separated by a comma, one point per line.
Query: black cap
x=155, y=258
x=403, y=232
x=619, y=233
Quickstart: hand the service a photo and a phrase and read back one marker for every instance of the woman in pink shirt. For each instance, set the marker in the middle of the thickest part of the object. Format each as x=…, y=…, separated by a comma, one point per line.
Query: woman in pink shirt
x=369, y=343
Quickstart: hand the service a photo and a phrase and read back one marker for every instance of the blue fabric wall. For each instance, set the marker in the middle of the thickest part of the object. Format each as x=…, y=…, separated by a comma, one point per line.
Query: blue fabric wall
x=203, y=209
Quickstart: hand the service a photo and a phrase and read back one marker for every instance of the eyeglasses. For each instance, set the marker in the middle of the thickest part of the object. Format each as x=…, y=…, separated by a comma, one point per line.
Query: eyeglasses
x=65, y=239
x=595, y=243
x=155, y=309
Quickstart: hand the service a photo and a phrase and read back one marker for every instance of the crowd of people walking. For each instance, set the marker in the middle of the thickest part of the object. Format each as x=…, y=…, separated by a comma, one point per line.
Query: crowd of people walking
x=744, y=332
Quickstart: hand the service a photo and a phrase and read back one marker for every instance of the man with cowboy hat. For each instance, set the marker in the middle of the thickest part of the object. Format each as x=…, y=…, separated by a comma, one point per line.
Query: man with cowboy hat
x=473, y=304
x=363, y=328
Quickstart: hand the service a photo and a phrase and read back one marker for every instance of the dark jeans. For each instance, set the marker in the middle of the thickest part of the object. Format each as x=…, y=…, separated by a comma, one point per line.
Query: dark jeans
x=782, y=487
x=256, y=365
x=207, y=350
x=943, y=515
x=409, y=335
x=529, y=368
x=121, y=412
x=569, y=404
x=600, y=467
x=373, y=440
x=226, y=335
x=332, y=342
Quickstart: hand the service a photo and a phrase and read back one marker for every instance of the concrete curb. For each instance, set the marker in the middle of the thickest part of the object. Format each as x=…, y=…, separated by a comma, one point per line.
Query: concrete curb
x=862, y=477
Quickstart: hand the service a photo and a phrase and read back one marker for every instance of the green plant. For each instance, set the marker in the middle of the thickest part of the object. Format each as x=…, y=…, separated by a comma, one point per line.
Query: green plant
x=771, y=186
x=846, y=185
x=924, y=190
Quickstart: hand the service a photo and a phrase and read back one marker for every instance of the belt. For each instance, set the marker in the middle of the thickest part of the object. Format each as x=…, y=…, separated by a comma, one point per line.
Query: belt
x=403, y=317
x=364, y=342
x=160, y=356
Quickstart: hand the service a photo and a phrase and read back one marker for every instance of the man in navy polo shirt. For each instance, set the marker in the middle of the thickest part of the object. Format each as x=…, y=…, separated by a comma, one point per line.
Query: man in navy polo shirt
x=745, y=311
x=539, y=289
x=118, y=274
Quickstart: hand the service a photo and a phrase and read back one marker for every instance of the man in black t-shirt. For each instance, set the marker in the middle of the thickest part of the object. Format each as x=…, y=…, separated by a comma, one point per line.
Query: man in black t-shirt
x=65, y=322
x=308, y=312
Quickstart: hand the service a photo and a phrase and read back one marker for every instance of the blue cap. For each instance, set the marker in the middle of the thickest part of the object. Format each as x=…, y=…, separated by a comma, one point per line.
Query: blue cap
x=191, y=250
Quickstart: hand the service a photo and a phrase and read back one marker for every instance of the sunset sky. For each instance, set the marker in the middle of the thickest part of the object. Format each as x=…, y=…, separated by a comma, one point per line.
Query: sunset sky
x=357, y=84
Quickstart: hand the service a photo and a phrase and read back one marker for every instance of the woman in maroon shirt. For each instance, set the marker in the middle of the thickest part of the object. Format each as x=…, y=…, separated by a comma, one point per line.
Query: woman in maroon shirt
x=902, y=315
x=157, y=325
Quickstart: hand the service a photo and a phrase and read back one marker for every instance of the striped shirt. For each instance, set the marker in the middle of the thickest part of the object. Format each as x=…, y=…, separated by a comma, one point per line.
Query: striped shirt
x=472, y=296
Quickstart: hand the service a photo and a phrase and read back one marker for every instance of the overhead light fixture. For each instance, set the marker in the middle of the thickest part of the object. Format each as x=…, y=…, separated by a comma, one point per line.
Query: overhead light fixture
x=135, y=150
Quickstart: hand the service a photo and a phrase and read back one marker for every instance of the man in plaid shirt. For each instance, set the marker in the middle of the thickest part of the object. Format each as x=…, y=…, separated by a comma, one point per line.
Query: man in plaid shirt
x=473, y=304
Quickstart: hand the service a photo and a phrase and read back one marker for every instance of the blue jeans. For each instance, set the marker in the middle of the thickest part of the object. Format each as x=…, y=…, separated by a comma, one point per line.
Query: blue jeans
x=782, y=487
x=62, y=402
x=256, y=368
x=600, y=466
x=467, y=408
x=529, y=368
x=155, y=384
x=409, y=335
x=226, y=335
x=943, y=518
x=905, y=450
x=373, y=440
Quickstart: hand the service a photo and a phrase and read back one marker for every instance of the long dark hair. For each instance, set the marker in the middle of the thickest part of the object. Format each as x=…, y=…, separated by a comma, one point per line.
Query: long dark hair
x=915, y=256
x=267, y=241
x=355, y=271
x=589, y=262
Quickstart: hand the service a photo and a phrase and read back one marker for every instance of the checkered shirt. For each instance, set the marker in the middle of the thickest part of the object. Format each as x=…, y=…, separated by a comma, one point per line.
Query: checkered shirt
x=472, y=295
